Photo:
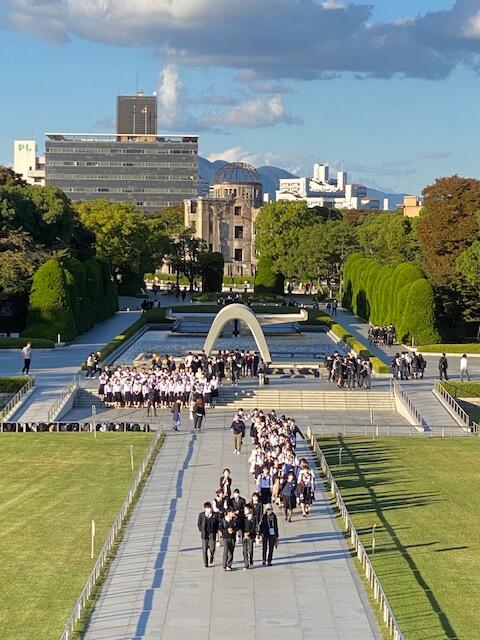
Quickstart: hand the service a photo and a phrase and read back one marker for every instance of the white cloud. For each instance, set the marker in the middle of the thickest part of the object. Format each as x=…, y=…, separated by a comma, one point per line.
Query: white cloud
x=171, y=102
x=304, y=38
x=238, y=154
x=257, y=112
x=472, y=28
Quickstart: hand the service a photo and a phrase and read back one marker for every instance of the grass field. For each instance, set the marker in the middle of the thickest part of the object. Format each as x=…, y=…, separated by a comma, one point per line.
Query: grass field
x=472, y=347
x=424, y=497
x=52, y=487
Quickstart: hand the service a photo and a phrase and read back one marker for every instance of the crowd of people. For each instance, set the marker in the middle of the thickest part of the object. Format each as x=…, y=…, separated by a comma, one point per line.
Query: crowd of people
x=382, y=336
x=408, y=366
x=174, y=384
x=349, y=371
x=280, y=478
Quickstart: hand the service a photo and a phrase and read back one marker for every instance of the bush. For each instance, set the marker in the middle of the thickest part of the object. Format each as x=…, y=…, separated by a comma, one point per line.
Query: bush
x=76, y=281
x=266, y=281
x=212, y=272
x=12, y=384
x=109, y=290
x=49, y=311
x=419, y=316
x=18, y=343
x=132, y=283
x=95, y=300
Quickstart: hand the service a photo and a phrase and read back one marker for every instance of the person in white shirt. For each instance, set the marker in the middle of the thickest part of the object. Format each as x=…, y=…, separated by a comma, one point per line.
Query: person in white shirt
x=27, y=358
x=464, y=368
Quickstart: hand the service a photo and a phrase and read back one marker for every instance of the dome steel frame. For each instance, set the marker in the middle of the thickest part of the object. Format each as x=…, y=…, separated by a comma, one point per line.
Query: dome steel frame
x=238, y=173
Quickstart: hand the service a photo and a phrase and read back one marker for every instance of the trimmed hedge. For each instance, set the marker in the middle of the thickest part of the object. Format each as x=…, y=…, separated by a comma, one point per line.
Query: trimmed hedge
x=18, y=343
x=382, y=295
x=49, y=311
x=69, y=297
x=266, y=281
x=12, y=384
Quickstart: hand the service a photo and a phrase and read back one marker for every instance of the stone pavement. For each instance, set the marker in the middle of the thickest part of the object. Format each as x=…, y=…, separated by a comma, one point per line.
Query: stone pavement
x=158, y=589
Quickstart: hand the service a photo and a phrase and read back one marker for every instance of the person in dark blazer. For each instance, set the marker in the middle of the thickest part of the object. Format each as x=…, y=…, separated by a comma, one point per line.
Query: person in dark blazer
x=257, y=509
x=225, y=482
x=221, y=503
x=208, y=527
x=249, y=534
x=228, y=530
x=269, y=533
x=237, y=504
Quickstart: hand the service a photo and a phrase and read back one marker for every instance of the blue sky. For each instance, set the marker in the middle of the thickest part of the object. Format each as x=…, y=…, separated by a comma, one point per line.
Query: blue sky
x=389, y=91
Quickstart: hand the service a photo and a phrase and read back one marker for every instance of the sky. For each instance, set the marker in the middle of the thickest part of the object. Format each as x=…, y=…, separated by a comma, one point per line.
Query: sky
x=387, y=90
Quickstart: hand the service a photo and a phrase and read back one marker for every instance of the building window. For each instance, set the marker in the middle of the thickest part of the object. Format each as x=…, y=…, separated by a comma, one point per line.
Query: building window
x=238, y=255
x=238, y=211
x=239, y=232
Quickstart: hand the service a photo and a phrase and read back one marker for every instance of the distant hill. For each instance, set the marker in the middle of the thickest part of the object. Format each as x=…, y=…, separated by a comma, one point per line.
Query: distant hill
x=268, y=175
x=271, y=175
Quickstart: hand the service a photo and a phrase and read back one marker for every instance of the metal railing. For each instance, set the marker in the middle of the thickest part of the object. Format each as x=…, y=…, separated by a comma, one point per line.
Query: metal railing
x=400, y=393
x=362, y=554
x=374, y=430
x=13, y=403
x=452, y=405
x=82, y=601
x=62, y=400
x=79, y=426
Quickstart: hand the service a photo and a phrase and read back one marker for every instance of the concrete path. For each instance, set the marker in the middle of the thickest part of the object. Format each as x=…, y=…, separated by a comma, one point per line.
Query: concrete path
x=158, y=589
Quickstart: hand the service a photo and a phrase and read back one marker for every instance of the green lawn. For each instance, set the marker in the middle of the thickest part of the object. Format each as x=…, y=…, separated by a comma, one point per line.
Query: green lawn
x=473, y=347
x=52, y=486
x=424, y=497
x=18, y=343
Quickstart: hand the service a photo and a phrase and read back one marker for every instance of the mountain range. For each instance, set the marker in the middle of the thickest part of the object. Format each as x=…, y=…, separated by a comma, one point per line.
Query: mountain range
x=271, y=175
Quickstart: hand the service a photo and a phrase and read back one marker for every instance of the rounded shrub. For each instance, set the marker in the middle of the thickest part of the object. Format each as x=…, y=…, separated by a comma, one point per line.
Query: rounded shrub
x=76, y=281
x=266, y=281
x=419, y=316
x=49, y=311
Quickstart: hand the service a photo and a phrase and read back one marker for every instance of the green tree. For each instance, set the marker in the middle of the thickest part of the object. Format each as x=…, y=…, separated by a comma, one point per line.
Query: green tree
x=420, y=317
x=186, y=256
x=388, y=237
x=49, y=311
x=212, y=265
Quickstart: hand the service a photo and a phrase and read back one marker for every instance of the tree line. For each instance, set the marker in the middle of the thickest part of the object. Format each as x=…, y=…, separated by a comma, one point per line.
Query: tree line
x=442, y=244
x=89, y=243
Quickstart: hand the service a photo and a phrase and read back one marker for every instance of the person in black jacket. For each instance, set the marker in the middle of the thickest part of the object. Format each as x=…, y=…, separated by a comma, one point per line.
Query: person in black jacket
x=229, y=532
x=269, y=533
x=249, y=534
x=257, y=509
x=238, y=430
x=238, y=504
x=208, y=527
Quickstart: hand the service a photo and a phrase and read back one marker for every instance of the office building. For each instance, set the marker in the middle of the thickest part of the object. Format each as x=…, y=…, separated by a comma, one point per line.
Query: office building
x=26, y=162
x=321, y=190
x=137, y=115
x=225, y=220
x=412, y=206
x=150, y=171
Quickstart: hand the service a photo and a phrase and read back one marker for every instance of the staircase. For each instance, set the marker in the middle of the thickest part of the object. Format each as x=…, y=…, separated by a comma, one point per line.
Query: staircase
x=86, y=398
x=310, y=400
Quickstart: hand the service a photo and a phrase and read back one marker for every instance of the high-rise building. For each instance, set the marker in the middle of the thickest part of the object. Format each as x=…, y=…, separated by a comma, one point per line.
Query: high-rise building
x=150, y=171
x=137, y=115
x=26, y=162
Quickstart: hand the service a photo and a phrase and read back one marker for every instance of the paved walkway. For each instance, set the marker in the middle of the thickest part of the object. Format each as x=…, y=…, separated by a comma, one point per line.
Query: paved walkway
x=158, y=589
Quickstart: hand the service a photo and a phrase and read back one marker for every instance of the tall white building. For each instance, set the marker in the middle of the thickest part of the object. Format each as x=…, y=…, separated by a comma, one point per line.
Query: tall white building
x=26, y=162
x=323, y=191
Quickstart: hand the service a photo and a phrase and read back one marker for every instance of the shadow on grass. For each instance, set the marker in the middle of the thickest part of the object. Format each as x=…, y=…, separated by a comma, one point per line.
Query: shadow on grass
x=372, y=456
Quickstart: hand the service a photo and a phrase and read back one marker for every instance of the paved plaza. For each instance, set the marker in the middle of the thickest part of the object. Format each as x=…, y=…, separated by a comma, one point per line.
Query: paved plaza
x=158, y=587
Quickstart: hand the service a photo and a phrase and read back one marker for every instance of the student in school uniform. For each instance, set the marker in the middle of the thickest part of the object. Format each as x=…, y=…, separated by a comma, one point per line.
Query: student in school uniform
x=208, y=527
x=289, y=495
x=269, y=533
x=265, y=485
x=229, y=533
x=225, y=482
x=249, y=534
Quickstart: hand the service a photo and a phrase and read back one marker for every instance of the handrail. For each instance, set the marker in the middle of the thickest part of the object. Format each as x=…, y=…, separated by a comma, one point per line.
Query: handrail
x=453, y=405
x=400, y=393
x=362, y=554
x=82, y=601
x=17, y=398
x=78, y=426
x=60, y=402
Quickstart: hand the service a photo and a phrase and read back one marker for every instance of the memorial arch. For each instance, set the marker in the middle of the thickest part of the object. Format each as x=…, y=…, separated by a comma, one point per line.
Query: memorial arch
x=245, y=314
